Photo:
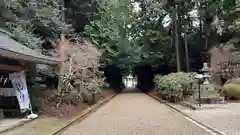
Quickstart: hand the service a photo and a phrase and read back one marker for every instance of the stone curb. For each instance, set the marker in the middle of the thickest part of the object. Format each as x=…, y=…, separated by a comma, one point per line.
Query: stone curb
x=196, y=107
x=189, y=106
x=186, y=115
x=84, y=114
x=17, y=125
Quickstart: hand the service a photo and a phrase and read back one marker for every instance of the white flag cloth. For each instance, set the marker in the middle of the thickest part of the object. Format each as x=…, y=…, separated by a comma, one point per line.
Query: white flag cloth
x=20, y=86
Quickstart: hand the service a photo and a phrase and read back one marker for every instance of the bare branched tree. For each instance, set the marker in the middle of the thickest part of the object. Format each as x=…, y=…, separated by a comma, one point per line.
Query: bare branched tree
x=80, y=62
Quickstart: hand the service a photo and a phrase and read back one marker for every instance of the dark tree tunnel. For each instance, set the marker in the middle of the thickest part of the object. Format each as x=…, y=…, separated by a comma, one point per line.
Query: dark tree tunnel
x=145, y=78
x=114, y=78
x=144, y=74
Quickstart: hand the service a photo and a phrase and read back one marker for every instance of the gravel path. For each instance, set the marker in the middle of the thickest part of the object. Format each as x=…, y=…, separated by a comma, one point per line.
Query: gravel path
x=134, y=114
x=225, y=117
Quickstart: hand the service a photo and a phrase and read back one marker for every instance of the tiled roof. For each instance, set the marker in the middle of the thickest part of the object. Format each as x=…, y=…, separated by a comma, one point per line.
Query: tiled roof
x=12, y=49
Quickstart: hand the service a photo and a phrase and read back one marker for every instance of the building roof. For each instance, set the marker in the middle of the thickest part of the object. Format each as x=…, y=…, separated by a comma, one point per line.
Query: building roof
x=11, y=49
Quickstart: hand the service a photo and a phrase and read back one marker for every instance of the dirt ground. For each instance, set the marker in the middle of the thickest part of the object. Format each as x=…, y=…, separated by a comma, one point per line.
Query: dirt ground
x=51, y=109
x=153, y=92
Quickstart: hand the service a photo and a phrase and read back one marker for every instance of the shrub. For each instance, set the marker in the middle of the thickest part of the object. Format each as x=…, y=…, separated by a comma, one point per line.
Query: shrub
x=80, y=64
x=232, y=91
x=173, y=86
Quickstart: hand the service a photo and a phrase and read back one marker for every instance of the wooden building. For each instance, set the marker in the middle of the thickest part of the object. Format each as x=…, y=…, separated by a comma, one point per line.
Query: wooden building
x=15, y=57
x=20, y=54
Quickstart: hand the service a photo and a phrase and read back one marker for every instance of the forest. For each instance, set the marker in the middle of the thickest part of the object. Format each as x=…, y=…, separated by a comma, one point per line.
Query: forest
x=108, y=39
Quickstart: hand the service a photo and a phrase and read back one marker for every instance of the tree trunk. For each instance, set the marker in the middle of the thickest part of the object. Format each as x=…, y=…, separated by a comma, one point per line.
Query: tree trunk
x=186, y=47
x=186, y=38
x=61, y=69
x=176, y=38
x=206, y=28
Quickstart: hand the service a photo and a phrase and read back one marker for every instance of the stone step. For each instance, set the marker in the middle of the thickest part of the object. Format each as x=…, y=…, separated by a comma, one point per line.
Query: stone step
x=215, y=100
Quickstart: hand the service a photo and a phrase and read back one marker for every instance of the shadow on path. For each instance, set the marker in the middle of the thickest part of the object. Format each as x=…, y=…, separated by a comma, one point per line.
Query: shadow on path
x=131, y=90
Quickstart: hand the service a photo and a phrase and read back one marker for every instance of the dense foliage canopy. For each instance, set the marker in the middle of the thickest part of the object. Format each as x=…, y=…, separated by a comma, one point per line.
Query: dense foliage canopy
x=130, y=33
x=133, y=32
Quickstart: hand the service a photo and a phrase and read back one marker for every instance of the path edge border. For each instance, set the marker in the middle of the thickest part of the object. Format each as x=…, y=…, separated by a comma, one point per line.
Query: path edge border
x=17, y=125
x=186, y=115
x=85, y=113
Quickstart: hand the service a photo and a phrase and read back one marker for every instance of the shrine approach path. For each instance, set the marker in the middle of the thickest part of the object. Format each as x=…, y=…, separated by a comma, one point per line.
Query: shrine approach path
x=132, y=113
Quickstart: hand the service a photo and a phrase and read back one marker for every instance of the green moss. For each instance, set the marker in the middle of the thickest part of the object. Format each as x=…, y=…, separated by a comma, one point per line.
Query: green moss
x=232, y=91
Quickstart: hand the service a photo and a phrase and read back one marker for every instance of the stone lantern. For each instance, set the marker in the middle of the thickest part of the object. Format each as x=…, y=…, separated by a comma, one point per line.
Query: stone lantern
x=208, y=91
x=206, y=73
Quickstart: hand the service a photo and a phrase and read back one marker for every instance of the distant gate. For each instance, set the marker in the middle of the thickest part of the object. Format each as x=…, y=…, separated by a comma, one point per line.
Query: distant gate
x=130, y=81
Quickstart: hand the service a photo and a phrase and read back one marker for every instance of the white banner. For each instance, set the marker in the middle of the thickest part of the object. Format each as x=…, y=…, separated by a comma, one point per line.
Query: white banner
x=20, y=86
